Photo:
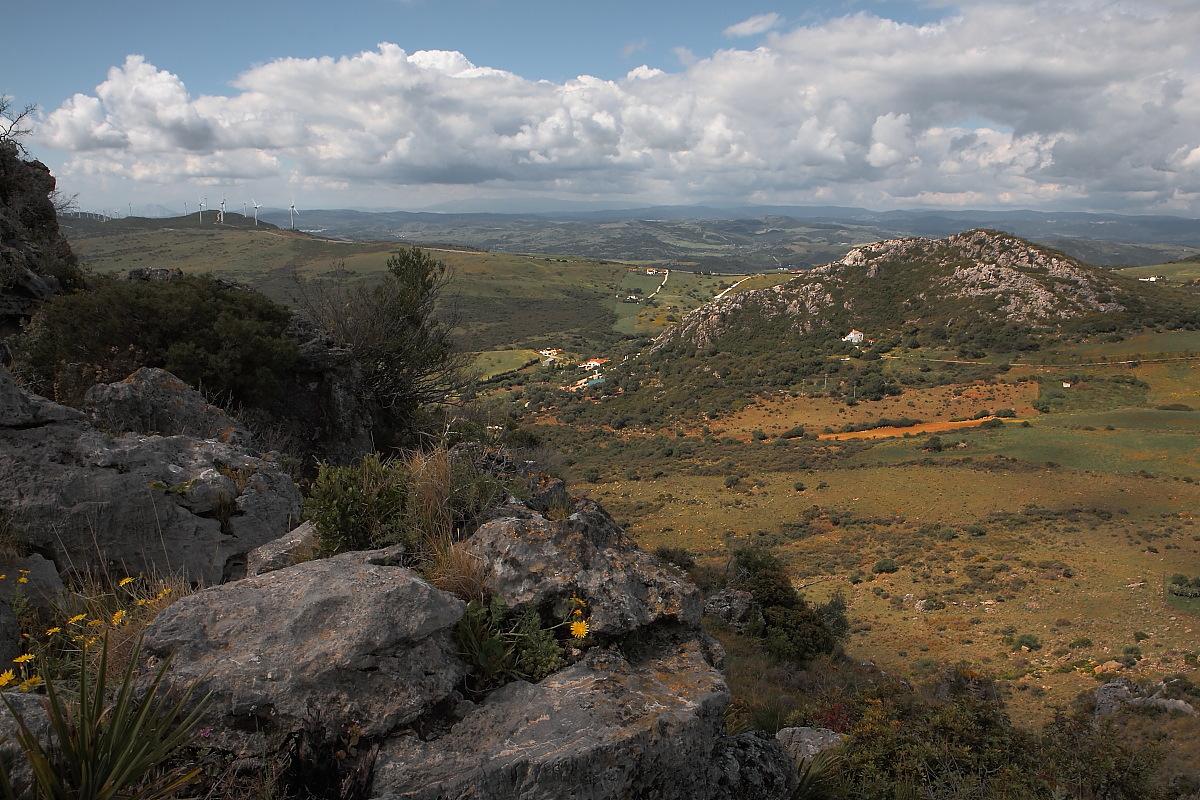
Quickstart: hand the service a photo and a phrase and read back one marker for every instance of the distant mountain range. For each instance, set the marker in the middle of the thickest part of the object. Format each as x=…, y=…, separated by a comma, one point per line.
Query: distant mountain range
x=752, y=238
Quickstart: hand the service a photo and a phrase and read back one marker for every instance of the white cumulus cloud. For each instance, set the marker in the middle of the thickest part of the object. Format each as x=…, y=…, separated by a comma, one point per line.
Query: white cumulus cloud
x=753, y=26
x=1037, y=103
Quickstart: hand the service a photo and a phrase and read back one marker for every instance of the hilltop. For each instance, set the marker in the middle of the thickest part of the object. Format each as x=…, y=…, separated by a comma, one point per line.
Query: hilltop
x=986, y=290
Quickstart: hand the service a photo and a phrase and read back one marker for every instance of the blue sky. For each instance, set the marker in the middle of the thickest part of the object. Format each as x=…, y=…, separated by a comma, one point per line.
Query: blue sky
x=1071, y=104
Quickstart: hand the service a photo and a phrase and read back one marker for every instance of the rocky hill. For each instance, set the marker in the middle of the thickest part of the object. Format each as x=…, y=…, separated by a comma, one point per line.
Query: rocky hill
x=35, y=260
x=988, y=288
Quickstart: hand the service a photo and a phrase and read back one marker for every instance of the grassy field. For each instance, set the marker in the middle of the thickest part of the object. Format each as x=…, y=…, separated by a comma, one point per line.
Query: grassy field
x=505, y=299
x=493, y=363
x=1175, y=271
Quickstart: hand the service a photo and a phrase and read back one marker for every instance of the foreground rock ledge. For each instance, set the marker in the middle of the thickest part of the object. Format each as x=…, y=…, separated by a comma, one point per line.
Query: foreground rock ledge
x=600, y=729
x=356, y=638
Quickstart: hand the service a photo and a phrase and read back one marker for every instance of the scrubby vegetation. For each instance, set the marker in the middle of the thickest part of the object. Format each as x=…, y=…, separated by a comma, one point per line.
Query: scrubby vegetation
x=226, y=340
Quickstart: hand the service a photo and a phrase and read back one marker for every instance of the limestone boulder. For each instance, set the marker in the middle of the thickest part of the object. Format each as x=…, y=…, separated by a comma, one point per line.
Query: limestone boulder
x=605, y=727
x=527, y=558
x=806, y=743
x=353, y=637
x=153, y=401
x=168, y=504
x=294, y=547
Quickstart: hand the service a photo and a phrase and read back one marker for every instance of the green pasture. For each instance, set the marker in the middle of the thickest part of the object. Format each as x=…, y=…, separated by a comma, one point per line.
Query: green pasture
x=1176, y=271
x=493, y=363
x=1078, y=441
x=1148, y=344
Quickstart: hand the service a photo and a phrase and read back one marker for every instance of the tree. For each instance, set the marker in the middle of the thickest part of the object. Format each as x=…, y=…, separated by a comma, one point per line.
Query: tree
x=407, y=354
x=14, y=125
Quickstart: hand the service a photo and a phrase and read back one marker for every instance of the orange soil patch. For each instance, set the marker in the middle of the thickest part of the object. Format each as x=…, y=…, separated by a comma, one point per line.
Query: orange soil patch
x=888, y=433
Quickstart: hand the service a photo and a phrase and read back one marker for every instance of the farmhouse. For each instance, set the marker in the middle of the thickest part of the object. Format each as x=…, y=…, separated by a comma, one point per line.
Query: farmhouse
x=854, y=337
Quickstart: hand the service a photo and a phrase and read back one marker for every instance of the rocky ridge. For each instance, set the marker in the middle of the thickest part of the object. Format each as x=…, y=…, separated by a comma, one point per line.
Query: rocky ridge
x=978, y=275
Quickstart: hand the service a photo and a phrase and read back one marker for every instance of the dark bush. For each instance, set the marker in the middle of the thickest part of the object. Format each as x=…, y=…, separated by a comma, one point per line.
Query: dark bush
x=226, y=341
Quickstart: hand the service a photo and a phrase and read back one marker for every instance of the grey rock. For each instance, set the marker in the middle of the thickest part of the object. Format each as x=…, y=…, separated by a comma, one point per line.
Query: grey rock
x=530, y=559
x=42, y=587
x=35, y=258
x=292, y=548
x=153, y=401
x=805, y=743
x=10, y=634
x=1121, y=692
x=349, y=636
x=170, y=504
x=602, y=728
x=32, y=710
x=737, y=609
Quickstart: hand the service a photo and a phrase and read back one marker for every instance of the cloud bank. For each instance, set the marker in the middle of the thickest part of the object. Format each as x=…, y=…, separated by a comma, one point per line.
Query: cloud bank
x=1031, y=104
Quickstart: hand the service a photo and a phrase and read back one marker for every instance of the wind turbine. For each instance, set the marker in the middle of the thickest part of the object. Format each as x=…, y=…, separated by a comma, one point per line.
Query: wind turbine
x=221, y=218
x=293, y=213
x=185, y=208
x=256, y=207
x=200, y=205
x=243, y=208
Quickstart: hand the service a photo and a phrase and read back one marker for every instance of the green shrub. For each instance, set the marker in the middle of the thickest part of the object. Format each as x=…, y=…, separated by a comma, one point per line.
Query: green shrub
x=228, y=341
x=427, y=499
x=502, y=644
x=359, y=507
x=1027, y=640
x=884, y=565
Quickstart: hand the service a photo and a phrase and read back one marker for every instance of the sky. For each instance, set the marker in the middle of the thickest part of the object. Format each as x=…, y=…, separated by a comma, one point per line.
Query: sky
x=1085, y=105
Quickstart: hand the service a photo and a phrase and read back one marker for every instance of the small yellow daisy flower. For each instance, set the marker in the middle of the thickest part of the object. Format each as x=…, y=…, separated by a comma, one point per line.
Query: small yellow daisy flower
x=22, y=579
x=21, y=659
x=579, y=628
x=7, y=677
x=76, y=618
x=30, y=683
x=125, y=581
x=52, y=631
x=118, y=617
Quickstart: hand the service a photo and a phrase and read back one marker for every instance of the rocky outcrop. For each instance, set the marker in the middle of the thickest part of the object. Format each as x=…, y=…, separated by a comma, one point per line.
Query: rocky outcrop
x=352, y=636
x=360, y=640
x=168, y=504
x=1118, y=693
x=737, y=609
x=914, y=283
x=603, y=728
x=35, y=259
x=528, y=559
x=804, y=744
x=321, y=413
x=153, y=401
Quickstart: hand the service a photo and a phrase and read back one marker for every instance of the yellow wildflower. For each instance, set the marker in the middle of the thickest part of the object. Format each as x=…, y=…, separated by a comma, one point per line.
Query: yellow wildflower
x=118, y=617
x=22, y=579
x=7, y=677
x=52, y=631
x=21, y=659
x=2, y=577
x=94, y=622
x=76, y=618
x=125, y=581
x=30, y=683
x=579, y=628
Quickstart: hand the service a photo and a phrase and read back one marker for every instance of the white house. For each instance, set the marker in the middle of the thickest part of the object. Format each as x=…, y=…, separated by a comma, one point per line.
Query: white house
x=854, y=337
